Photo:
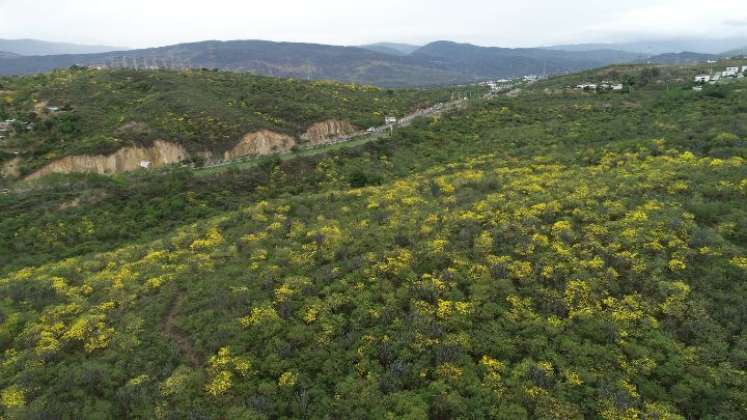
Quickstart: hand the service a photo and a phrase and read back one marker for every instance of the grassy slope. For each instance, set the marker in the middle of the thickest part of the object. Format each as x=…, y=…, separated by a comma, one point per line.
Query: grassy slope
x=566, y=256
x=201, y=109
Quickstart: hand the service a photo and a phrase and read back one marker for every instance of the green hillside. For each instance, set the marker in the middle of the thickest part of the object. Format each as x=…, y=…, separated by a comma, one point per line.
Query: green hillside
x=555, y=255
x=103, y=111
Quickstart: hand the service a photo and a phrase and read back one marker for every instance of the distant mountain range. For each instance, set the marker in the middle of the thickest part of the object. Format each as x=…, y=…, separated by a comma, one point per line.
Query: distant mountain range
x=280, y=59
x=384, y=64
x=666, y=46
x=736, y=52
x=436, y=63
x=681, y=58
x=36, y=47
x=486, y=62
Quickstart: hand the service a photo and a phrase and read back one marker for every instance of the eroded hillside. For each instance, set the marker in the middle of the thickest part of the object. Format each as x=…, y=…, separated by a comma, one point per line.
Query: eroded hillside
x=109, y=121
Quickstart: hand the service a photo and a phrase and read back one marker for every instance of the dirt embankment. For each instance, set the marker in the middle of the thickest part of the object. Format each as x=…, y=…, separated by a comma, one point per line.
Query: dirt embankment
x=161, y=153
x=324, y=131
x=263, y=142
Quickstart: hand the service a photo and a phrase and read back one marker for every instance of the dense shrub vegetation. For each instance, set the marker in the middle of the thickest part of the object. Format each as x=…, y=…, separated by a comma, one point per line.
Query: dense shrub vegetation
x=547, y=256
x=102, y=111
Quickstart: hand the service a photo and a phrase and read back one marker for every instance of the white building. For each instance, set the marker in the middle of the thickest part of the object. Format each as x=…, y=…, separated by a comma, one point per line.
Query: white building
x=618, y=87
x=390, y=120
x=492, y=85
x=702, y=78
x=145, y=164
x=587, y=86
x=730, y=72
x=744, y=69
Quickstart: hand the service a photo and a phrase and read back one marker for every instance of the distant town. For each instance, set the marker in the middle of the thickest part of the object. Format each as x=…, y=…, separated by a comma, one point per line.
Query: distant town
x=731, y=72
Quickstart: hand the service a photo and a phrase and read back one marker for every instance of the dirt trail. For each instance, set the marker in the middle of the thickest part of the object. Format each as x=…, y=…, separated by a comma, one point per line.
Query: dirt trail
x=174, y=333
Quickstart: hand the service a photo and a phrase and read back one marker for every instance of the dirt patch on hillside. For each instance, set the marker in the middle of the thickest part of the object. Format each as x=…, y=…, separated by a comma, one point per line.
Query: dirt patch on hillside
x=327, y=130
x=161, y=153
x=263, y=142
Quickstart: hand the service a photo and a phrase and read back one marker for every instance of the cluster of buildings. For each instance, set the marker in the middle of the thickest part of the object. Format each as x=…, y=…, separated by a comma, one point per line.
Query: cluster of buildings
x=10, y=126
x=496, y=85
x=500, y=84
x=734, y=72
x=613, y=86
x=533, y=77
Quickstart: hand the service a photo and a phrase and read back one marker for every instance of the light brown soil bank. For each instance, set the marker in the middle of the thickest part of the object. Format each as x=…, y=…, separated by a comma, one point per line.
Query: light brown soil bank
x=263, y=142
x=327, y=130
x=162, y=153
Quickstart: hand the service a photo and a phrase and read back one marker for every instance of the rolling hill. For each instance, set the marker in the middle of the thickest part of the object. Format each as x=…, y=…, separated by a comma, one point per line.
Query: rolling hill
x=559, y=254
x=681, y=58
x=486, y=62
x=392, y=48
x=193, y=113
x=438, y=63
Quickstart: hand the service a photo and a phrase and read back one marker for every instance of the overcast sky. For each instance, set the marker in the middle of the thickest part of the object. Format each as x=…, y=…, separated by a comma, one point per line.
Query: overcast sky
x=147, y=23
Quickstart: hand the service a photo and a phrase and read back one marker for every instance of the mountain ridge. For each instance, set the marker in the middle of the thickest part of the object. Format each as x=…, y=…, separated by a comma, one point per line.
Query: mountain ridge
x=438, y=63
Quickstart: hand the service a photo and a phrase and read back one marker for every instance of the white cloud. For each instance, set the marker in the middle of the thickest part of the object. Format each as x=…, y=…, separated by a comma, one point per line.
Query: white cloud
x=672, y=18
x=140, y=23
